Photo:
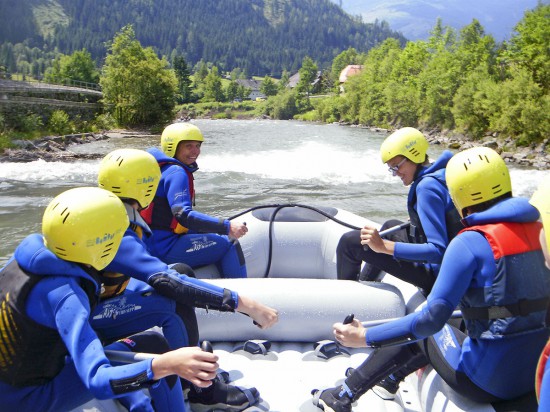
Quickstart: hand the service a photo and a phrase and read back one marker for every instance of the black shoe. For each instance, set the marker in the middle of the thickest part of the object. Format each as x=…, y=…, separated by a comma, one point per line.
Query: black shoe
x=386, y=388
x=222, y=396
x=332, y=400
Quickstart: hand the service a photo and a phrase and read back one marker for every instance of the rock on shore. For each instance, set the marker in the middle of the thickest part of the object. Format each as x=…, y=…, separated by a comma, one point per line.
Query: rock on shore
x=535, y=155
x=56, y=148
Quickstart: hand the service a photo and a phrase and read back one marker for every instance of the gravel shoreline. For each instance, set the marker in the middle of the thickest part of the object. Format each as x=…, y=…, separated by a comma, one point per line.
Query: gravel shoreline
x=57, y=148
x=535, y=156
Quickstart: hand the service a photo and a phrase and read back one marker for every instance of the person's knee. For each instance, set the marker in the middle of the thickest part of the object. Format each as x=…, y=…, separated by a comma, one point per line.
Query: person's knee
x=148, y=341
x=390, y=223
x=348, y=240
x=183, y=269
x=239, y=250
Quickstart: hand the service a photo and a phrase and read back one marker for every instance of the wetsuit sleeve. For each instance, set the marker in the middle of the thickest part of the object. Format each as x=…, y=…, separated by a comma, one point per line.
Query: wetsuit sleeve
x=176, y=187
x=431, y=205
x=64, y=306
x=459, y=265
x=132, y=259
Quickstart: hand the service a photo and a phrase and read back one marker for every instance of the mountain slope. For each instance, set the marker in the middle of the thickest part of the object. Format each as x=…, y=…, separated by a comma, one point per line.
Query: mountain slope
x=260, y=36
x=416, y=18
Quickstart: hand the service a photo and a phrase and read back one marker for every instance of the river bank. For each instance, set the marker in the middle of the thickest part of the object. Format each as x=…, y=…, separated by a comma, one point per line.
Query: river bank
x=57, y=148
x=536, y=155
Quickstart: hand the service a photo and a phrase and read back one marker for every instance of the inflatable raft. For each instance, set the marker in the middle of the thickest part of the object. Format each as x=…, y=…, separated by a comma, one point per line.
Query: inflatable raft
x=291, y=263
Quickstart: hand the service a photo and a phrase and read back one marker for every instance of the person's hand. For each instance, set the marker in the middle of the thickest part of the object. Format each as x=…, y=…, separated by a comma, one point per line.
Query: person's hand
x=351, y=335
x=190, y=363
x=371, y=238
x=263, y=315
x=237, y=229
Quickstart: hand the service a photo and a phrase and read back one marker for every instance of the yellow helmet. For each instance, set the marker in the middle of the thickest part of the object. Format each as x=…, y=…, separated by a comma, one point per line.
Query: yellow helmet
x=130, y=174
x=541, y=200
x=475, y=176
x=177, y=132
x=85, y=225
x=407, y=142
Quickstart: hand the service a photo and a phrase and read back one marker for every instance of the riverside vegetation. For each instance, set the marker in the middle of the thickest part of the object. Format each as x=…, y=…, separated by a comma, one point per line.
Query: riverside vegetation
x=460, y=88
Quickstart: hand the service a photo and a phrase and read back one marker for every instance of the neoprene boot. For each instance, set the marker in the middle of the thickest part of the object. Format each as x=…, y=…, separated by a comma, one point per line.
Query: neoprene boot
x=221, y=396
x=387, y=387
x=381, y=363
x=336, y=399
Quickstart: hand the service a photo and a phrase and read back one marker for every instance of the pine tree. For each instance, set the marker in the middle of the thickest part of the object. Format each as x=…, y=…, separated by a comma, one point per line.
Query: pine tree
x=185, y=93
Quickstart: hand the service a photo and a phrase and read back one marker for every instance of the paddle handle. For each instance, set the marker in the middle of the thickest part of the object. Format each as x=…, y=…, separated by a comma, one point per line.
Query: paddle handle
x=390, y=231
x=348, y=319
x=131, y=357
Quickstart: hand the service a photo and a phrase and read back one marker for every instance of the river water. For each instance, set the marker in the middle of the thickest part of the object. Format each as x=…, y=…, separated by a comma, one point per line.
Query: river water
x=243, y=164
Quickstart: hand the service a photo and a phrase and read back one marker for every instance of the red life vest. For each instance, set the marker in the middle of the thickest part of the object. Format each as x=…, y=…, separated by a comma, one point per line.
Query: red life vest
x=158, y=214
x=502, y=308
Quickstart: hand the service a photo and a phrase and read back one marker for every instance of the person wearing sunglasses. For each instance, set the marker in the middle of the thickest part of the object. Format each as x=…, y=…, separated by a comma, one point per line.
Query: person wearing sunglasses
x=413, y=255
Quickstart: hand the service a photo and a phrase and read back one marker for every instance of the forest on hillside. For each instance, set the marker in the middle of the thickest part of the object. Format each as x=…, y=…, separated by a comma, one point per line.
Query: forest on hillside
x=257, y=36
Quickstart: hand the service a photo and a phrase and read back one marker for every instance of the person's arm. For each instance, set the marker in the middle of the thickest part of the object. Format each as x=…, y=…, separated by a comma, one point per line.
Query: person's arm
x=190, y=363
x=263, y=315
x=431, y=207
x=65, y=307
x=459, y=265
x=176, y=187
x=132, y=259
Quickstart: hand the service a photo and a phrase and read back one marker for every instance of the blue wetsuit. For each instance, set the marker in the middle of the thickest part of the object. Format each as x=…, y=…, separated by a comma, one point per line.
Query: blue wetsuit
x=156, y=294
x=498, y=356
x=203, y=239
x=418, y=254
x=55, y=313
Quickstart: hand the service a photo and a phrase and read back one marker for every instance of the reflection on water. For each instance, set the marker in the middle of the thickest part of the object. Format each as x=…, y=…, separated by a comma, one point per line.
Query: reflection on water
x=243, y=164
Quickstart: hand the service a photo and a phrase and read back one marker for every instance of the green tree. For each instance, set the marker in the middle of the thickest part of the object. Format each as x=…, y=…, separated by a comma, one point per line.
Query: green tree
x=212, y=87
x=475, y=49
x=283, y=83
x=268, y=86
x=59, y=123
x=439, y=80
x=365, y=93
x=308, y=73
x=185, y=92
x=243, y=92
x=283, y=106
x=78, y=66
x=201, y=71
x=402, y=93
x=529, y=48
x=472, y=104
x=232, y=90
x=138, y=87
x=521, y=108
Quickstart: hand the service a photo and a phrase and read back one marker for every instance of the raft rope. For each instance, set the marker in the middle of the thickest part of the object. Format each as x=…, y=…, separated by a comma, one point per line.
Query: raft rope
x=279, y=207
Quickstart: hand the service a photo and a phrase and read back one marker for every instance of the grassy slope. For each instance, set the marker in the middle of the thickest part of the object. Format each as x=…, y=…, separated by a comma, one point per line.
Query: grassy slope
x=48, y=15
